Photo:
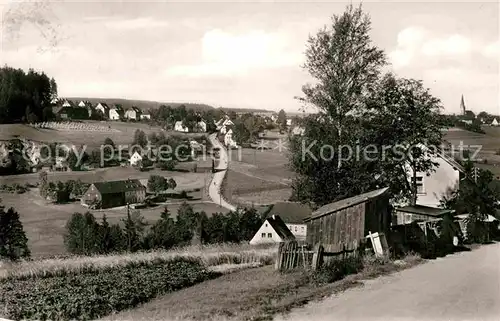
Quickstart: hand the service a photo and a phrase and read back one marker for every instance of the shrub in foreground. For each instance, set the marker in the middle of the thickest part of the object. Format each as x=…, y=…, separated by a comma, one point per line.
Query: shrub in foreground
x=338, y=269
x=95, y=294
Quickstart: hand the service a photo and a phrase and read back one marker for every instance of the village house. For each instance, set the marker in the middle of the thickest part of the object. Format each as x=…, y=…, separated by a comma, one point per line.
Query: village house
x=133, y=113
x=293, y=215
x=135, y=159
x=103, y=108
x=348, y=221
x=145, y=116
x=68, y=113
x=82, y=104
x=228, y=139
x=274, y=230
x=67, y=103
x=289, y=122
x=495, y=122
x=445, y=179
x=116, y=112
x=114, y=194
x=201, y=126
x=298, y=131
x=180, y=127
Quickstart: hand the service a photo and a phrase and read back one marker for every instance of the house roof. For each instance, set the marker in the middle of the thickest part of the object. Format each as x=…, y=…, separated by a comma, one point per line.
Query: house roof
x=446, y=158
x=290, y=212
x=280, y=227
x=424, y=210
x=103, y=105
x=452, y=162
x=347, y=202
x=112, y=187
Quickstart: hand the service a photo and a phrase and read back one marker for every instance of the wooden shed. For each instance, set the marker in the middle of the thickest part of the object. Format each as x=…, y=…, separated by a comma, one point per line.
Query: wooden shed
x=349, y=220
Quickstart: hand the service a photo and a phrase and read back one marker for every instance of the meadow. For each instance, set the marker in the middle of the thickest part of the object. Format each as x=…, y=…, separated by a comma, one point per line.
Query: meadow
x=44, y=222
x=123, y=134
x=258, y=176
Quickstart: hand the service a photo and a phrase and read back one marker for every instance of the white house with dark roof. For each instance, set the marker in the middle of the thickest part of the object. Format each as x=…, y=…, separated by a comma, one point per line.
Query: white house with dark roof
x=180, y=127
x=115, y=113
x=103, y=108
x=495, y=122
x=133, y=113
x=273, y=230
x=293, y=215
x=431, y=188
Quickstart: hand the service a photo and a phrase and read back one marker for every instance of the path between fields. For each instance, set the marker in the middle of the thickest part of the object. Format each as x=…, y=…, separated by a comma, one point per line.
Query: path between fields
x=221, y=169
x=463, y=286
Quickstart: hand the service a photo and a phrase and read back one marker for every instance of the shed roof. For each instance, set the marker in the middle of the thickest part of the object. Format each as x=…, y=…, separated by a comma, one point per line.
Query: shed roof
x=424, y=210
x=280, y=227
x=347, y=202
x=112, y=187
x=290, y=212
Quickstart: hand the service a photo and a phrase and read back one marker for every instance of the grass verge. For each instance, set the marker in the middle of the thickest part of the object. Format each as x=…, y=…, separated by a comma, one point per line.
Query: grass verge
x=259, y=293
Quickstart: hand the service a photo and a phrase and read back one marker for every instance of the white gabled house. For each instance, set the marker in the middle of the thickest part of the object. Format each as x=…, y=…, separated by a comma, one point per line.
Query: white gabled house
x=145, y=116
x=82, y=104
x=273, y=230
x=289, y=122
x=135, y=159
x=180, y=127
x=133, y=113
x=228, y=139
x=67, y=103
x=293, y=215
x=431, y=188
x=494, y=122
x=115, y=113
x=103, y=108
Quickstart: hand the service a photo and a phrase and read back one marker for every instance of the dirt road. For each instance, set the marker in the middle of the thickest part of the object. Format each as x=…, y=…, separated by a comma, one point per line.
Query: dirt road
x=215, y=185
x=463, y=286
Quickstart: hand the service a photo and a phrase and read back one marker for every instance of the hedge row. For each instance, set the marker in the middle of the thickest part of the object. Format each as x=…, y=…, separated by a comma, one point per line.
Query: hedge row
x=96, y=294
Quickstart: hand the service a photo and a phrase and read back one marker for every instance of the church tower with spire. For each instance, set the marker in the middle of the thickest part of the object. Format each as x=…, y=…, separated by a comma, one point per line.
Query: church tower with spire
x=462, y=105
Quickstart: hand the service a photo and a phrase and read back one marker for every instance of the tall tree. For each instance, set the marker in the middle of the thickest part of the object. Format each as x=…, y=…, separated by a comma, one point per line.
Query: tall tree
x=402, y=121
x=346, y=67
x=345, y=64
x=282, y=118
x=13, y=240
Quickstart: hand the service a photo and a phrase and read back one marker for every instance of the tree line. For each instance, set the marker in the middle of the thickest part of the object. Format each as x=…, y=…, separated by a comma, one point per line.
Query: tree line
x=25, y=97
x=86, y=235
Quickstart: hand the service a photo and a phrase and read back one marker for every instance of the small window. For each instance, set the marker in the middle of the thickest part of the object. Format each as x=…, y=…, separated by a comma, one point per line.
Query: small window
x=302, y=228
x=263, y=235
x=269, y=234
x=295, y=228
x=266, y=224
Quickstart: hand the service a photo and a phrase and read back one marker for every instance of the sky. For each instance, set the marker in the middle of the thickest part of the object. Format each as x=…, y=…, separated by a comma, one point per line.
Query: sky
x=244, y=54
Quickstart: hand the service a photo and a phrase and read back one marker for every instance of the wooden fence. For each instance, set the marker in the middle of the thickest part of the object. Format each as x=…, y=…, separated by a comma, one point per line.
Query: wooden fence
x=291, y=255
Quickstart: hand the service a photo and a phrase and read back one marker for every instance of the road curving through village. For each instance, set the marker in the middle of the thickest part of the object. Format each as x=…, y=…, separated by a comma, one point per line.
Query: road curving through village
x=214, y=189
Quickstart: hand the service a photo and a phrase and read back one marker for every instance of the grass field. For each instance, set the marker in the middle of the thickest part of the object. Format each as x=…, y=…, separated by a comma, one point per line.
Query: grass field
x=93, y=139
x=185, y=181
x=44, y=223
x=490, y=141
x=258, y=176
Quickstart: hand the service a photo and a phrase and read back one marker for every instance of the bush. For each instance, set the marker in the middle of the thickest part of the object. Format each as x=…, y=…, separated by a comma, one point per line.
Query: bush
x=91, y=295
x=337, y=269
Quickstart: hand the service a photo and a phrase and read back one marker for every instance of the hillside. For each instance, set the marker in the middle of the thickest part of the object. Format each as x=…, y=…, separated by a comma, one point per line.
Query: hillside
x=144, y=105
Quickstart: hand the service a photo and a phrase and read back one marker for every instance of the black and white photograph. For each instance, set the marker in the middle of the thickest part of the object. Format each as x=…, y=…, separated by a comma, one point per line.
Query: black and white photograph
x=249, y=160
